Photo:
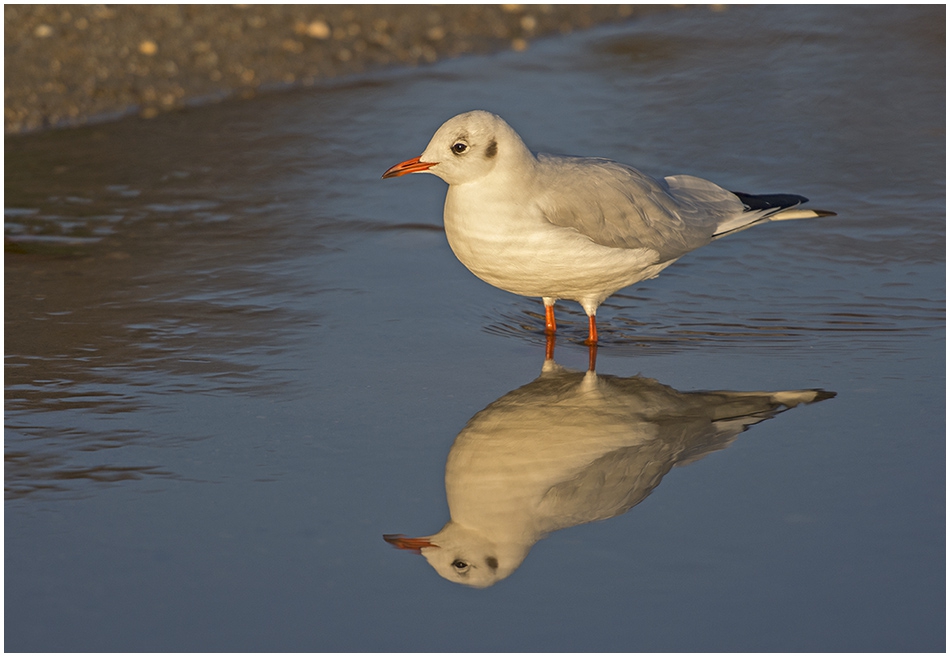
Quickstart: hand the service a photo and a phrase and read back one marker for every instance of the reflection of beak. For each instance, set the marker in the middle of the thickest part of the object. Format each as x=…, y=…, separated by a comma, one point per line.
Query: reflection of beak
x=409, y=166
x=406, y=543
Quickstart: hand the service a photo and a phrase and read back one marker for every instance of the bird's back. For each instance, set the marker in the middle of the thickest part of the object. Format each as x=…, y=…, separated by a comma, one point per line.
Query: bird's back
x=617, y=206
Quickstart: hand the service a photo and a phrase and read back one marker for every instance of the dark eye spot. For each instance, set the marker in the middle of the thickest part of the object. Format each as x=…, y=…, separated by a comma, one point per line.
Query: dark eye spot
x=459, y=147
x=492, y=149
x=492, y=563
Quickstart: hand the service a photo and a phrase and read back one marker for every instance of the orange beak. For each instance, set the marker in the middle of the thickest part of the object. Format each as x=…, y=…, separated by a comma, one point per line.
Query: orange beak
x=409, y=166
x=406, y=543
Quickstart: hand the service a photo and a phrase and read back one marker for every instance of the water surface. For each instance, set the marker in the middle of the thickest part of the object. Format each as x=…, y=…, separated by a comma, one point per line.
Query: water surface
x=235, y=358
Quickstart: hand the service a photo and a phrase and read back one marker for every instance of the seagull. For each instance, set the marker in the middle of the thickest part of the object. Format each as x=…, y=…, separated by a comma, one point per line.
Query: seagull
x=571, y=448
x=575, y=228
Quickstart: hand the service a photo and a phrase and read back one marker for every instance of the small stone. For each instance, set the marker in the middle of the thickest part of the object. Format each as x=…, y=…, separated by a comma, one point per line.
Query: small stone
x=291, y=45
x=519, y=44
x=528, y=23
x=43, y=31
x=436, y=33
x=148, y=47
x=318, y=30
x=381, y=38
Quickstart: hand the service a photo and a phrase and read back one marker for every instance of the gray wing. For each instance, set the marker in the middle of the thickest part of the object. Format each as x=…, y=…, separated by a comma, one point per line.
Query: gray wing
x=616, y=205
x=611, y=485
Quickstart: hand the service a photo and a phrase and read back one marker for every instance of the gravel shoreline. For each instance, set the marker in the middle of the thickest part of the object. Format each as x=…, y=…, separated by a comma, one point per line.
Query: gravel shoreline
x=69, y=65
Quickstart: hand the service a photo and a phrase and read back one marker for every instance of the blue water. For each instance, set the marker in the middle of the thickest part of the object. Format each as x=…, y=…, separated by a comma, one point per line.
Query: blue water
x=235, y=357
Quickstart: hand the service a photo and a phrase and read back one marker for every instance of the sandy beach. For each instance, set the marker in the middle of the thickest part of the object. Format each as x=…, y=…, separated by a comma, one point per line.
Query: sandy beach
x=68, y=65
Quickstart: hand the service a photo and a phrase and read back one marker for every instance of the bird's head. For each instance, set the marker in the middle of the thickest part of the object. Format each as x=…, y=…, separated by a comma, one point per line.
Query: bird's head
x=463, y=555
x=466, y=148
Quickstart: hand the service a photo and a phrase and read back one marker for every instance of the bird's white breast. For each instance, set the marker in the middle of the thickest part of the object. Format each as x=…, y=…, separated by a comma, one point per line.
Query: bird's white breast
x=505, y=240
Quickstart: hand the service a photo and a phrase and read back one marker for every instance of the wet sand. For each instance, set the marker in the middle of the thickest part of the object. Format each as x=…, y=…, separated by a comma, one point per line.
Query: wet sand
x=70, y=65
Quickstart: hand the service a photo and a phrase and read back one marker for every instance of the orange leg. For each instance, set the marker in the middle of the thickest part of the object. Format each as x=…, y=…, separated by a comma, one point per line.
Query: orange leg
x=550, y=327
x=549, y=347
x=592, y=332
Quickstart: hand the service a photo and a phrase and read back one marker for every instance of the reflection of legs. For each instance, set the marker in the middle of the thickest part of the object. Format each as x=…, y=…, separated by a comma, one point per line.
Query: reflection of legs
x=591, y=351
x=549, y=347
x=592, y=356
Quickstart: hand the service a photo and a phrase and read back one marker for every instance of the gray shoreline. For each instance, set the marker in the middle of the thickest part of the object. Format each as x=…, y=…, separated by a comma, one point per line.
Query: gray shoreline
x=68, y=65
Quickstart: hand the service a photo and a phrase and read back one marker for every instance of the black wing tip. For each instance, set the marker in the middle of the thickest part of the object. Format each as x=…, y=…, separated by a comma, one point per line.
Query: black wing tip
x=769, y=201
x=822, y=395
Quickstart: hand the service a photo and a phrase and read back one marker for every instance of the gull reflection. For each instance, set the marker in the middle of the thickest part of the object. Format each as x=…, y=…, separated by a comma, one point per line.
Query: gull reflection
x=570, y=448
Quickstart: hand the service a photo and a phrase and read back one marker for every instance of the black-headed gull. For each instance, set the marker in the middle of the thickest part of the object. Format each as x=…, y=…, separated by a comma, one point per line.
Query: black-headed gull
x=571, y=448
x=576, y=228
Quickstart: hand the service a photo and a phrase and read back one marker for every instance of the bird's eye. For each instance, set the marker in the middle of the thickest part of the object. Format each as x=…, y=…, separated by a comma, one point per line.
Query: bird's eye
x=460, y=565
x=459, y=147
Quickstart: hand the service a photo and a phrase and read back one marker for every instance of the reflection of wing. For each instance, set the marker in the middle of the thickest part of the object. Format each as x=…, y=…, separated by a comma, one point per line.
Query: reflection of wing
x=689, y=426
x=609, y=486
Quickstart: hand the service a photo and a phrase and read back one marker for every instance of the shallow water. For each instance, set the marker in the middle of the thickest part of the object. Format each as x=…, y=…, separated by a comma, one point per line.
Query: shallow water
x=235, y=358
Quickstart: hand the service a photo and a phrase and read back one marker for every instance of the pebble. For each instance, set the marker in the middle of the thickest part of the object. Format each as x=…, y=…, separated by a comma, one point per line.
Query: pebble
x=148, y=47
x=318, y=30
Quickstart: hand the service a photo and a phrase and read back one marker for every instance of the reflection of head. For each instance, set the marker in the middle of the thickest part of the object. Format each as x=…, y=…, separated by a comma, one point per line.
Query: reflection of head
x=464, y=556
x=570, y=448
